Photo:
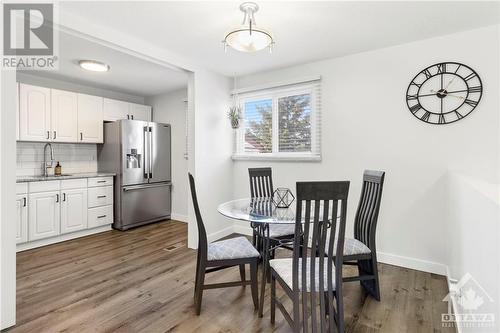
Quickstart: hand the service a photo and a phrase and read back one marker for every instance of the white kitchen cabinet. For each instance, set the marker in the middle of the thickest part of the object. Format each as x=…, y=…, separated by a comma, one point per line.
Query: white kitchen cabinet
x=21, y=218
x=34, y=113
x=90, y=118
x=73, y=210
x=140, y=112
x=115, y=110
x=64, y=116
x=44, y=215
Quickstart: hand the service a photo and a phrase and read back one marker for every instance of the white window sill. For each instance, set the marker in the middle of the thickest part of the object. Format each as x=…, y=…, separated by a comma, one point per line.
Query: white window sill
x=271, y=157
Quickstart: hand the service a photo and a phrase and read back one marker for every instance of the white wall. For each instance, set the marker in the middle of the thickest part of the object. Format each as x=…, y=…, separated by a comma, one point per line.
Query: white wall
x=171, y=108
x=76, y=87
x=473, y=213
x=7, y=199
x=212, y=137
x=367, y=125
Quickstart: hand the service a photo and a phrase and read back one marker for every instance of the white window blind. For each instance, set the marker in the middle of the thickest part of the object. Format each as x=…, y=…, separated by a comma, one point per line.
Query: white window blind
x=281, y=123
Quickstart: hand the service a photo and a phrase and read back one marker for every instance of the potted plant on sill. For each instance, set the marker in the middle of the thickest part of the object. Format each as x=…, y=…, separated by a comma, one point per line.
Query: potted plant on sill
x=234, y=116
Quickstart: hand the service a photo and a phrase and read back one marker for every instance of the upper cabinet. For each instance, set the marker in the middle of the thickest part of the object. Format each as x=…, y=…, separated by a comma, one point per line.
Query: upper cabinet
x=139, y=112
x=115, y=110
x=90, y=119
x=64, y=122
x=34, y=113
x=52, y=115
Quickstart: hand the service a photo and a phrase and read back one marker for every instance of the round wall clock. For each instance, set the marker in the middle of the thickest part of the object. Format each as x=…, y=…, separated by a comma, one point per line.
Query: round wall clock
x=444, y=93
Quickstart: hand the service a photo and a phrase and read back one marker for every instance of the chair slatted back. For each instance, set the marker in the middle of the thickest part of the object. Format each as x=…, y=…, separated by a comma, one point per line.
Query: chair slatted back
x=202, y=233
x=261, y=182
x=320, y=219
x=365, y=222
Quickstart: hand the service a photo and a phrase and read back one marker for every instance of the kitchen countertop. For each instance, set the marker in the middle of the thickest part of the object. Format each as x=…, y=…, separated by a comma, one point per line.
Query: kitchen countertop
x=25, y=179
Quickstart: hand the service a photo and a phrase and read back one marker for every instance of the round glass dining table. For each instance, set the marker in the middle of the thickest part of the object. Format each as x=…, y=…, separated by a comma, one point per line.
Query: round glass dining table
x=260, y=213
x=257, y=210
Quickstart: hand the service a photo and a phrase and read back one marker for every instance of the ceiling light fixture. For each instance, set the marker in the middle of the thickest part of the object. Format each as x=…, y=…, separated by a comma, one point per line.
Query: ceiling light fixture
x=94, y=66
x=248, y=37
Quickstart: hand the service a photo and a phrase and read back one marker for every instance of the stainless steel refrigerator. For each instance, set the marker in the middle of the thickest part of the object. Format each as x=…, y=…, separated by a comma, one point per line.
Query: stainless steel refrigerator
x=139, y=153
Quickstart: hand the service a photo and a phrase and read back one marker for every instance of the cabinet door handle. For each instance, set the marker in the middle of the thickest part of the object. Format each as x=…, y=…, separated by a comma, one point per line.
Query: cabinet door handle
x=57, y=197
x=55, y=135
x=24, y=202
x=101, y=181
x=48, y=135
x=128, y=116
x=132, y=116
x=81, y=136
x=101, y=196
x=64, y=196
x=101, y=216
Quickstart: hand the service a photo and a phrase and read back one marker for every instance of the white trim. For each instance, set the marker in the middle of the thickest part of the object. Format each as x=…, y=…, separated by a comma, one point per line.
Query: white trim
x=451, y=282
x=179, y=217
x=276, y=84
x=270, y=157
x=220, y=234
x=412, y=263
x=61, y=238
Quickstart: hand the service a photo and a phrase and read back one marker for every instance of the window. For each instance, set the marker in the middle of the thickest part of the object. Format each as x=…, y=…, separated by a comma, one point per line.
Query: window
x=280, y=123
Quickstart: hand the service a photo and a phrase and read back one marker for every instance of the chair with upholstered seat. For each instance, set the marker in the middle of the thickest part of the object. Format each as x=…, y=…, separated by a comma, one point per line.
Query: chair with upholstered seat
x=313, y=278
x=361, y=251
x=261, y=186
x=220, y=255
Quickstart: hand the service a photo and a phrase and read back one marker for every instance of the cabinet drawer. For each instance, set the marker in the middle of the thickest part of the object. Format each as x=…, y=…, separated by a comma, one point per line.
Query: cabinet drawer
x=100, y=216
x=100, y=181
x=100, y=196
x=69, y=184
x=50, y=185
x=21, y=188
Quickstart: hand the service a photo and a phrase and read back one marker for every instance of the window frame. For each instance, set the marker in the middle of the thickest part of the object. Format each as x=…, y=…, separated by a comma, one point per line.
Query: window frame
x=275, y=94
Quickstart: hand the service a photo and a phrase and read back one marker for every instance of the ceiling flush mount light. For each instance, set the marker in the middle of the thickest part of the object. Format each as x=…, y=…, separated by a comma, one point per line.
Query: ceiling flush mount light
x=248, y=37
x=94, y=66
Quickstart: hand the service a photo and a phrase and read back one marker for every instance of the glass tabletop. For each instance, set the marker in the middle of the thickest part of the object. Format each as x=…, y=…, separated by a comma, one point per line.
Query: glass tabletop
x=257, y=210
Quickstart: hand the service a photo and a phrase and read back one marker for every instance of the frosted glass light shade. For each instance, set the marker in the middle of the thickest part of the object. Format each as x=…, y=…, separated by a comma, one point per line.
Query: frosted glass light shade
x=242, y=40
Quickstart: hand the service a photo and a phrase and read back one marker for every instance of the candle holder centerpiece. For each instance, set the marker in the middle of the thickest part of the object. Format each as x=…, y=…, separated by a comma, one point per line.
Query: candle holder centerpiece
x=283, y=197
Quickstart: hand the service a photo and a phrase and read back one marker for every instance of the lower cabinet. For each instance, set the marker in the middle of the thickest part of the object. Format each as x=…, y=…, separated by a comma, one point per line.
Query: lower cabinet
x=46, y=210
x=21, y=218
x=44, y=215
x=73, y=210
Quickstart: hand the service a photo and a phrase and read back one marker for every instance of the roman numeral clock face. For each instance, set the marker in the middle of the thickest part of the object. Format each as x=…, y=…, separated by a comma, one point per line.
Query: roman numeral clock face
x=444, y=93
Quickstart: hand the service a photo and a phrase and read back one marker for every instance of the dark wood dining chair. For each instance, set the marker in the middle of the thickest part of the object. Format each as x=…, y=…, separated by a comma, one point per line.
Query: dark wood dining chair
x=261, y=186
x=361, y=251
x=312, y=278
x=220, y=255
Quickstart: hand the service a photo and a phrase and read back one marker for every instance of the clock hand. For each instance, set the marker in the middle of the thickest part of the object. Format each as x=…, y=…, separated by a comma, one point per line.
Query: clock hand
x=447, y=94
x=449, y=83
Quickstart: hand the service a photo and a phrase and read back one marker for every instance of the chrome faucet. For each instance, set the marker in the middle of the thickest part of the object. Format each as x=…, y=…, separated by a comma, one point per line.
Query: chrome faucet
x=45, y=158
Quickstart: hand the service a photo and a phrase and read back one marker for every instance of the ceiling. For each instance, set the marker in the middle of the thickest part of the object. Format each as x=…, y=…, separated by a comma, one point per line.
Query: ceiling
x=128, y=74
x=304, y=30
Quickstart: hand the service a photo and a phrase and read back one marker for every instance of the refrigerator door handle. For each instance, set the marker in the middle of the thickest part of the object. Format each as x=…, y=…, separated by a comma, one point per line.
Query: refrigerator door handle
x=145, y=162
x=141, y=187
x=150, y=152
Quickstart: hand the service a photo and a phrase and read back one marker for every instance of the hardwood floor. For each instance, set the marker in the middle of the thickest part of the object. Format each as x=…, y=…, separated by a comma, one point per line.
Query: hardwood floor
x=142, y=281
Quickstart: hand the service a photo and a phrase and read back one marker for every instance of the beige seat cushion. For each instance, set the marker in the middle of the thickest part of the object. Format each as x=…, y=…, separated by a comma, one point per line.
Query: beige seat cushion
x=233, y=248
x=284, y=269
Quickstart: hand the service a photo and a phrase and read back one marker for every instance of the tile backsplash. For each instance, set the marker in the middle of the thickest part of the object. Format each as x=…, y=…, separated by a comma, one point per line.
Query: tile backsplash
x=74, y=158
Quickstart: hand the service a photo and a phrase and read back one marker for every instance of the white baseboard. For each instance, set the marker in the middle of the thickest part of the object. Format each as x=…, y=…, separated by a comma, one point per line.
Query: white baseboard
x=61, y=238
x=179, y=217
x=412, y=263
x=220, y=234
